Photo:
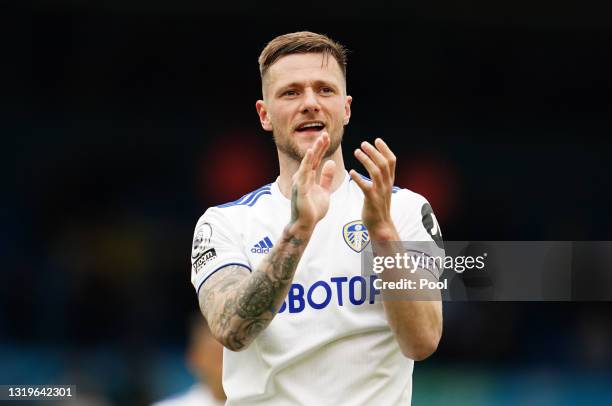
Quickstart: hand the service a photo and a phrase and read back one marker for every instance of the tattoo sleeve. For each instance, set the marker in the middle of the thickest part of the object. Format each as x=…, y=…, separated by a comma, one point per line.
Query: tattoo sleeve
x=239, y=305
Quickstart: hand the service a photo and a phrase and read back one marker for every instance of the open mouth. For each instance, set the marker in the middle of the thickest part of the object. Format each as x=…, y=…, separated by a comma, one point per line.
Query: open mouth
x=310, y=126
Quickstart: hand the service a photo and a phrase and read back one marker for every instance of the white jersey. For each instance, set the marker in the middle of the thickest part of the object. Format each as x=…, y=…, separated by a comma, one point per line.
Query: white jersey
x=330, y=343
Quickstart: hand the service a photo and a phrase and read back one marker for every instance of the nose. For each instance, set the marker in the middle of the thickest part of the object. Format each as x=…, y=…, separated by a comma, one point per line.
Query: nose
x=310, y=102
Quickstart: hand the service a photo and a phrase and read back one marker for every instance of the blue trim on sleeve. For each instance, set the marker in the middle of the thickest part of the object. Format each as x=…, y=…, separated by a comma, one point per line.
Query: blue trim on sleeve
x=257, y=198
x=254, y=195
x=218, y=269
x=250, y=198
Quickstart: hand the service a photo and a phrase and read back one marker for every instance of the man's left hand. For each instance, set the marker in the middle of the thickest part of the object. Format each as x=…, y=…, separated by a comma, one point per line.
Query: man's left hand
x=379, y=161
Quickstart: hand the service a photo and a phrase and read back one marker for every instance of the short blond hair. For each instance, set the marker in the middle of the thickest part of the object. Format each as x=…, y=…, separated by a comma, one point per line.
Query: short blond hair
x=301, y=42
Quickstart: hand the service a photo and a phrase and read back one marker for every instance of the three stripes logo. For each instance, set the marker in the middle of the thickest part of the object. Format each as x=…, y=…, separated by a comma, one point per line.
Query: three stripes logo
x=262, y=247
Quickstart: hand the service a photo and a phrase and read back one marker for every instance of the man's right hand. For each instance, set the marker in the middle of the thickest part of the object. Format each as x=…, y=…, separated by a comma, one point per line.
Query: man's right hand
x=309, y=198
x=239, y=305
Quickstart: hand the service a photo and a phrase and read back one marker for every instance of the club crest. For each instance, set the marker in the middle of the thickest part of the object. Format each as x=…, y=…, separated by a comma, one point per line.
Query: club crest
x=356, y=235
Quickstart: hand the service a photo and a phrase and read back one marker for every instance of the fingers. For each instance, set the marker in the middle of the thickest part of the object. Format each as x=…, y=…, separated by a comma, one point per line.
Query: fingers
x=368, y=163
x=302, y=172
x=327, y=175
x=379, y=161
x=363, y=184
x=374, y=155
x=319, y=148
x=387, y=153
x=312, y=159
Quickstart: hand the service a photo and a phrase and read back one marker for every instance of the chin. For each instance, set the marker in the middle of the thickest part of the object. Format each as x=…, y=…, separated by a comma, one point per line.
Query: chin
x=298, y=143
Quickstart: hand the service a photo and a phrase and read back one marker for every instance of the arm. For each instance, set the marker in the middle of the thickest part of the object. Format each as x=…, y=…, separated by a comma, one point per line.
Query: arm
x=239, y=305
x=416, y=324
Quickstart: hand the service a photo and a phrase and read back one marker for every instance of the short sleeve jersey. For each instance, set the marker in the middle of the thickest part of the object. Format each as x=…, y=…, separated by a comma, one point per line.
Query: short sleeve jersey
x=330, y=342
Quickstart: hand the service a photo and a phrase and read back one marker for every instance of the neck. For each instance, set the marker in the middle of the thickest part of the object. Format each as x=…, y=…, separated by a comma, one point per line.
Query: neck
x=288, y=167
x=214, y=385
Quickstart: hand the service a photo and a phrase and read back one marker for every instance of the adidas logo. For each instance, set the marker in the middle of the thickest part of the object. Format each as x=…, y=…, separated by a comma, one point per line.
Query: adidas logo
x=262, y=247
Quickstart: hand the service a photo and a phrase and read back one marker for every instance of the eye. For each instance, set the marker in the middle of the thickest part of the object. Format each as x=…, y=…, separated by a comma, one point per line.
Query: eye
x=289, y=93
x=327, y=90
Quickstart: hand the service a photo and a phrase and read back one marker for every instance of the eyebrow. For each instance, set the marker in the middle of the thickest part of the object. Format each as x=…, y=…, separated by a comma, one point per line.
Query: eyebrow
x=300, y=84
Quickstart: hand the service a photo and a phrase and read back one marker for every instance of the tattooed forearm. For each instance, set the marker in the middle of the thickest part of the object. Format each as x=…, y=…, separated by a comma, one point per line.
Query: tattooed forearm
x=257, y=296
x=295, y=213
x=238, y=306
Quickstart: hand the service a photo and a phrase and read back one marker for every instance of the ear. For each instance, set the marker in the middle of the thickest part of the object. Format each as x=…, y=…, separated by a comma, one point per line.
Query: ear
x=347, y=109
x=262, y=112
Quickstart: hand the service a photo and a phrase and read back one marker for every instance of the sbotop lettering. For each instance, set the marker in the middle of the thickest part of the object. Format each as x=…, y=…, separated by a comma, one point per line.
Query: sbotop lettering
x=322, y=293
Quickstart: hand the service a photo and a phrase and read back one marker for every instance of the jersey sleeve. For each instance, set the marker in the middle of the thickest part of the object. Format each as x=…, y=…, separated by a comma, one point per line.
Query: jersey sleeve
x=418, y=227
x=215, y=246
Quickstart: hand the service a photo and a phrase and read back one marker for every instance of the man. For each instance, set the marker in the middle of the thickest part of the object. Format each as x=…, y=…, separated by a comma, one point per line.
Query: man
x=204, y=358
x=278, y=271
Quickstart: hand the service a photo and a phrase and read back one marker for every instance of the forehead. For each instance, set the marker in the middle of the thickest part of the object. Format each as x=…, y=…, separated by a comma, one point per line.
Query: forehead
x=304, y=68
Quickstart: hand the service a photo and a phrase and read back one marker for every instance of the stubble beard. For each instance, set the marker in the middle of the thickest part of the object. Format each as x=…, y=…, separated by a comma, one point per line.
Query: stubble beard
x=290, y=148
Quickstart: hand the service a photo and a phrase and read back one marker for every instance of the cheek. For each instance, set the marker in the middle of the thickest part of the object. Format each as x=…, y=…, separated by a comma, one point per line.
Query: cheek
x=336, y=105
x=281, y=116
x=339, y=113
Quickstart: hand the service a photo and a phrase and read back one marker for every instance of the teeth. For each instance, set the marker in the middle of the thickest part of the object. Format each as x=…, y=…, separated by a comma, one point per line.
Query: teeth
x=311, y=125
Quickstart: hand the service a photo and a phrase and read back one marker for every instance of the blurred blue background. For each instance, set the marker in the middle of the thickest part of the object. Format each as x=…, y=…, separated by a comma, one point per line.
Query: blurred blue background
x=124, y=120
